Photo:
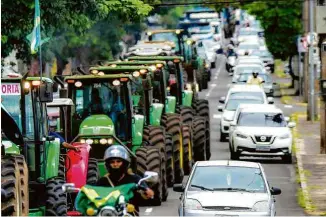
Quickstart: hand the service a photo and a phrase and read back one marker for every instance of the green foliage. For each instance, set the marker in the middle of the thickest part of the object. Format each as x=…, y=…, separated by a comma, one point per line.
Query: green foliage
x=72, y=25
x=282, y=24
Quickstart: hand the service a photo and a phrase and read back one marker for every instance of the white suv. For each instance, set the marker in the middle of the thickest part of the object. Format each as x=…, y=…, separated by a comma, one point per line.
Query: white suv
x=239, y=94
x=261, y=130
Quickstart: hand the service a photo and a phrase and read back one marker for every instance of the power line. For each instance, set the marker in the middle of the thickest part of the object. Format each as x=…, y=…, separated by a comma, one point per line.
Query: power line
x=219, y=2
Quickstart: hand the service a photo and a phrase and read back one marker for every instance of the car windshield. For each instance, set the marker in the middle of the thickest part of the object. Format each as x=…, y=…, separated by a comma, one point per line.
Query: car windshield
x=249, y=46
x=261, y=53
x=233, y=104
x=247, y=94
x=248, y=69
x=261, y=119
x=245, y=76
x=227, y=178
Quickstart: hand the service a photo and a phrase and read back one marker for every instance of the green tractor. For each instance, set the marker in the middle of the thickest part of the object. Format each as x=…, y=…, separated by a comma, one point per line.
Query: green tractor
x=29, y=159
x=105, y=102
x=185, y=47
x=193, y=111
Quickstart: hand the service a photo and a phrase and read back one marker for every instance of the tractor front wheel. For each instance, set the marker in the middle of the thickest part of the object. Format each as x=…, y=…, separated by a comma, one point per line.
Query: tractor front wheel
x=92, y=172
x=199, y=139
x=148, y=159
x=56, y=199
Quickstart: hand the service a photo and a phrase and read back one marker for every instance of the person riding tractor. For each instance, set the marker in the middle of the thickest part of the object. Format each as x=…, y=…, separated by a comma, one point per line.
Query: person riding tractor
x=117, y=163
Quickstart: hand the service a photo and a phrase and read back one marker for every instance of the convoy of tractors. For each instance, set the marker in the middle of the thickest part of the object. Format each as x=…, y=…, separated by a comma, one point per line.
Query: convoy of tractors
x=148, y=103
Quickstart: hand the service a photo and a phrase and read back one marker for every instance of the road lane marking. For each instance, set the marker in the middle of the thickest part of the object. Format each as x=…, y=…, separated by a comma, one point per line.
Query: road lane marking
x=148, y=210
x=213, y=85
x=217, y=116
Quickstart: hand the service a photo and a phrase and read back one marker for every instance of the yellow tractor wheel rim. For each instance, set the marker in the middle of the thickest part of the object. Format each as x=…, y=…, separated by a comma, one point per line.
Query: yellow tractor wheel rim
x=181, y=150
x=189, y=151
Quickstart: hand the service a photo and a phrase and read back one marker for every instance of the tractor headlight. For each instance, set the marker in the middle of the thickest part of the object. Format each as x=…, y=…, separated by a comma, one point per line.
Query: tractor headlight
x=103, y=141
x=110, y=141
x=89, y=141
x=188, y=87
x=83, y=141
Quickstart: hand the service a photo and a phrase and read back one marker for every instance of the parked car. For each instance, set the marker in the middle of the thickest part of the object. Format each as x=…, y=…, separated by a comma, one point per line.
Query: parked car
x=227, y=188
x=268, y=84
x=261, y=130
x=229, y=110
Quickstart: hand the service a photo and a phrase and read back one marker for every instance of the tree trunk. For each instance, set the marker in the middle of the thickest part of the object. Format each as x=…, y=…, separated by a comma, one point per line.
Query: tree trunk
x=61, y=63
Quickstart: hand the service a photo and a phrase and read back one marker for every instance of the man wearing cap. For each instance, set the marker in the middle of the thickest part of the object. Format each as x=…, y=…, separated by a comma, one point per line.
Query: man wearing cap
x=52, y=127
x=255, y=79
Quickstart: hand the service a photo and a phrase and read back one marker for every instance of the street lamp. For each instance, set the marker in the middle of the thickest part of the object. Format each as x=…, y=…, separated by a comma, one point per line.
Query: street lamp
x=323, y=88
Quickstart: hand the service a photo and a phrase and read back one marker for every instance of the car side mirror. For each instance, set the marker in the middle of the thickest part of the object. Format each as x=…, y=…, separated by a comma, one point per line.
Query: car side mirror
x=220, y=108
x=270, y=100
x=291, y=124
x=276, y=191
x=222, y=100
x=178, y=188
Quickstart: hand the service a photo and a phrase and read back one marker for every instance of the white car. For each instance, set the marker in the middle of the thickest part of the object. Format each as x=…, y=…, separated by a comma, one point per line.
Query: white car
x=247, y=47
x=229, y=110
x=246, y=68
x=253, y=60
x=261, y=130
x=227, y=188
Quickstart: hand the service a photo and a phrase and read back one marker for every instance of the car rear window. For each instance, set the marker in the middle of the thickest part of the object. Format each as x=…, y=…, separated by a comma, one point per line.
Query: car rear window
x=227, y=178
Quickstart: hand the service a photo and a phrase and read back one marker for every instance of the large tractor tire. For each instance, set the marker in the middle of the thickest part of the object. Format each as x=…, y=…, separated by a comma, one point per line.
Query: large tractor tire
x=169, y=160
x=93, y=173
x=199, y=79
x=148, y=159
x=202, y=109
x=14, y=181
x=172, y=124
x=155, y=137
x=56, y=199
x=205, y=79
x=187, y=147
x=199, y=139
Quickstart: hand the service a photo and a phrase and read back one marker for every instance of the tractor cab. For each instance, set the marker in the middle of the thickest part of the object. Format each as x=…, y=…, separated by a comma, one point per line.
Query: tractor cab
x=24, y=99
x=177, y=81
x=172, y=35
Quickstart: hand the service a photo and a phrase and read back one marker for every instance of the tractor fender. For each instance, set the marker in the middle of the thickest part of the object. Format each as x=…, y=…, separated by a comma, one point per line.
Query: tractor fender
x=137, y=129
x=155, y=114
x=170, y=104
x=187, y=97
x=77, y=164
x=52, y=158
x=10, y=147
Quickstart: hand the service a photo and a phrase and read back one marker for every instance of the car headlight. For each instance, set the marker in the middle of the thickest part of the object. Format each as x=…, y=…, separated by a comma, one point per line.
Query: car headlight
x=192, y=204
x=285, y=136
x=241, y=136
x=261, y=206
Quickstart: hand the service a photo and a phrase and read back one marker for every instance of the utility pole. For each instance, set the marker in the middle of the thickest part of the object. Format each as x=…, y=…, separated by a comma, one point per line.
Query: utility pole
x=323, y=102
x=311, y=96
x=305, y=15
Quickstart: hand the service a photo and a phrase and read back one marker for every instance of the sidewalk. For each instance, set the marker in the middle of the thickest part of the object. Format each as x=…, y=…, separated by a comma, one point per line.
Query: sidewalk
x=311, y=166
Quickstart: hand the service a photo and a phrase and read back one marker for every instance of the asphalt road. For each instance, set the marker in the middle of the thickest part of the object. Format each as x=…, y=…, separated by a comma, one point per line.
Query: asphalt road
x=279, y=175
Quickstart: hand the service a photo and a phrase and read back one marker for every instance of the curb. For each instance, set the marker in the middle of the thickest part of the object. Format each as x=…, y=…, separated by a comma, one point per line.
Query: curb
x=308, y=207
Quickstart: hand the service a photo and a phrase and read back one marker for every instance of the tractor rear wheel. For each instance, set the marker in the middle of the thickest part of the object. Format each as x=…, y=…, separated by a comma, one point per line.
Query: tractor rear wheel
x=169, y=160
x=56, y=199
x=187, y=147
x=148, y=159
x=172, y=124
x=202, y=109
x=62, y=167
x=205, y=79
x=13, y=181
x=155, y=137
x=92, y=172
x=199, y=139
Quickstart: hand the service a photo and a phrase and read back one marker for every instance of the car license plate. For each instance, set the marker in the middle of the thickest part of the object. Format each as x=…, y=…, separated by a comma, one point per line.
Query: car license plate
x=263, y=148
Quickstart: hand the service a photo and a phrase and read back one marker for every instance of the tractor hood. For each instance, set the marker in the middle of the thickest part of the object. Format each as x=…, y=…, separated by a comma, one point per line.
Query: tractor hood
x=97, y=125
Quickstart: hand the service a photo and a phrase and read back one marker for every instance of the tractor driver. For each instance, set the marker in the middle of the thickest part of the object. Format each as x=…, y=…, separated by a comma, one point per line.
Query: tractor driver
x=63, y=143
x=117, y=163
x=95, y=105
